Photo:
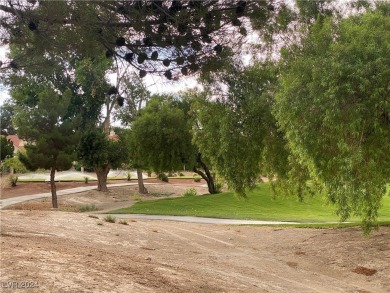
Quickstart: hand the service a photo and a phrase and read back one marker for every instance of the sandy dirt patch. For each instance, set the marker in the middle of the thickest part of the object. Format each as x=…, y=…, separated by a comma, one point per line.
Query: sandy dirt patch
x=116, y=197
x=73, y=252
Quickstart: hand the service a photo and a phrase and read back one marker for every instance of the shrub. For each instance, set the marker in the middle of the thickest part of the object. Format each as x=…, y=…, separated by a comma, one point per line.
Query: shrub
x=12, y=180
x=110, y=219
x=190, y=192
x=128, y=176
x=197, y=179
x=218, y=187
x=86, y=180
x=16, y=164
x=163, y=177
x=123, y=222
x=149, y=173
x=136, y=196
x=181, y=174
x=170, y=174
x=88, y=208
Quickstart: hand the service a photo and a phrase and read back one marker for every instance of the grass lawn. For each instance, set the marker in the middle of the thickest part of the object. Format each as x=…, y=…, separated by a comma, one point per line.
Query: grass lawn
x=260, y=205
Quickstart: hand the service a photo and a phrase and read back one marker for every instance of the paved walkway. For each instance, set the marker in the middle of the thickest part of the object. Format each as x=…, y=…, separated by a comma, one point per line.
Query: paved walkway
x=200, y=220
x=10, y=201
x=14, y=200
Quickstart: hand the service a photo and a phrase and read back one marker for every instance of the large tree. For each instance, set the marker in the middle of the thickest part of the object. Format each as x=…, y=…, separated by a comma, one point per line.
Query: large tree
x=50, y=133
x=163, y=136
x=334, y=105
x=134, y=96
x=96, y=150
x=236, y=123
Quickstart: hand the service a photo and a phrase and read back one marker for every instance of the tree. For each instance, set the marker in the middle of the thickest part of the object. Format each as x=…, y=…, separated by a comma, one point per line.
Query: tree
x=333, y=104
x=6, y=148
x=50, y=133
x=235, y=125
x=96, y=150
x=134, y=96
x=6, y=112
x=162, y=135
x=171, y=38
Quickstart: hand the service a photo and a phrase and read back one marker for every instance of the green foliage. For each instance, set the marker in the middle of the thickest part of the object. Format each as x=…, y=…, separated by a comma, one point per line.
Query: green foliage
x=109, y=219
x=197, y=179
x=162, y=135
x=88, y=208
x=86, y=179
x=16, y=164
x=128, y=176
x=49, y=131
x=333, y=104
x=163, y=177
x=6, y=148
x=190, y=192
x=234, y=128
x=7, y=111
x=182, y=34
x=13, y=179
x=97, y=150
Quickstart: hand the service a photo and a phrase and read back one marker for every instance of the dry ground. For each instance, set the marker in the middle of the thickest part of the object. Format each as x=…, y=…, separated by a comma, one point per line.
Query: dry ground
x=77, y=252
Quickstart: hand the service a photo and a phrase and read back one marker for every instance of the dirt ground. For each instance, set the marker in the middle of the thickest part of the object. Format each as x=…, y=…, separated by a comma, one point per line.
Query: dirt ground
x=62, y=251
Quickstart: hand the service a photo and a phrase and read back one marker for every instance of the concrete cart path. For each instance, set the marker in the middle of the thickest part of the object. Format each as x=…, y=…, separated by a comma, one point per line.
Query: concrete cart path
x=14, y=200
x=201, y=220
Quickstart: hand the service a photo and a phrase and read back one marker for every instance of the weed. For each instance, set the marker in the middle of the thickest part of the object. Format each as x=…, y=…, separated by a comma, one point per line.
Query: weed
x=110, y=219
x=88, y=208
x=136, y=196
x=12, y=180
x=190, y=192
x=123, y=222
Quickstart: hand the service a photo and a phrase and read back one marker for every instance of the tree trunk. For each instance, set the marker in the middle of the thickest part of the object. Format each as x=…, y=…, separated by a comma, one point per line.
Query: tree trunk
x=101, y=173
x=53, y=188
x=141, y=187
x=206, y=175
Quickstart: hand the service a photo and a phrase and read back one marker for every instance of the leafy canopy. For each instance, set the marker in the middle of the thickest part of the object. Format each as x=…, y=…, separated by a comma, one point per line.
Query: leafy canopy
x=334, y=103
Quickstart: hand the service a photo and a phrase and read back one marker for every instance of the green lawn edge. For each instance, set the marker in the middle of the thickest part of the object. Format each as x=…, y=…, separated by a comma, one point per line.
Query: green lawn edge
x=260, y=205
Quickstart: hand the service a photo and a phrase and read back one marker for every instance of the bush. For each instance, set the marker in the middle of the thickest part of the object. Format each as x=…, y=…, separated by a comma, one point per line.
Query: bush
x=218, y=187
x=163, y=177
x=110, y=219
x=190, y=192
x=123, y=222
x=170, y=174
x=136, y=197
x=16, y=164
x=128, y=176
x=86, y=179
x=12, y=180
x=88, y=208
x=181, y=174
x=197, y=179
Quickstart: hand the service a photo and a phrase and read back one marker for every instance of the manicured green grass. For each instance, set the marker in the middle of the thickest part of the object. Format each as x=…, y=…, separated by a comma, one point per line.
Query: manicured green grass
x=260, y=205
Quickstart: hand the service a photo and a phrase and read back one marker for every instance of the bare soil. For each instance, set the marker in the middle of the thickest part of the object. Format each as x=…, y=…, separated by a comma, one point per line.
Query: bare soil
x=61, y=251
